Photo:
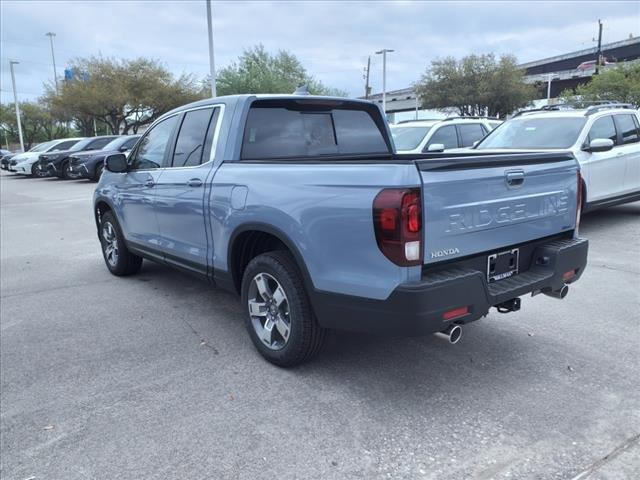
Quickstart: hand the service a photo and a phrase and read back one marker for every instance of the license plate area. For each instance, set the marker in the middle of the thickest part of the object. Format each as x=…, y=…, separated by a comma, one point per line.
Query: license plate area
x=502, y=265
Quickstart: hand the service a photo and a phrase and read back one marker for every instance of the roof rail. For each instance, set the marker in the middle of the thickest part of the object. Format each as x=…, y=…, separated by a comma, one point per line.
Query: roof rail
x=606, y=106
x=469, y=117
x=419, y=120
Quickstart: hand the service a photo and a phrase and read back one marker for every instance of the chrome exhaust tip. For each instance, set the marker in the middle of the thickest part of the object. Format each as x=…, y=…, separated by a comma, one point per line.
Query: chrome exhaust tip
x=560, y=294
x=452, y=334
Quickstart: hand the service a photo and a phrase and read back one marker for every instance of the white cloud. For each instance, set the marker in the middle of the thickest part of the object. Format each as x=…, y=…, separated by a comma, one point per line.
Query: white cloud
x=332, y=39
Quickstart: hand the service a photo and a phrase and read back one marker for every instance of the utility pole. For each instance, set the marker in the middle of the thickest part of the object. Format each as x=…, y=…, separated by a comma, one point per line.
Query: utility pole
x=599, y=53
x=212, y=65
x=549, y=88
x=367, y=88
x=384, y=52
x=53, y=57
x=15, y=101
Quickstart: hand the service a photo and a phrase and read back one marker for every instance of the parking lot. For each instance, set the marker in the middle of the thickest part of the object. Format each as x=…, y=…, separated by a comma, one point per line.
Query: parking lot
x=153, y=376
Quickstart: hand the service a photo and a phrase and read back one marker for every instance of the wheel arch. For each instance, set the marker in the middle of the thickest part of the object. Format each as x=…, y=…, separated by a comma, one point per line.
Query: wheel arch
x=249, y=240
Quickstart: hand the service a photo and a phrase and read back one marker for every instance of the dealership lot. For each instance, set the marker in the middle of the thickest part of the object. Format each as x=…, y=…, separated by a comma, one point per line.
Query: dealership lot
x=153, y=376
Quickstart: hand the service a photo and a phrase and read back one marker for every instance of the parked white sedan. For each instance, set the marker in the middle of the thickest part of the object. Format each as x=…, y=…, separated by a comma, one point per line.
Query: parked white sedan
x=605, y=139
x=25, y=163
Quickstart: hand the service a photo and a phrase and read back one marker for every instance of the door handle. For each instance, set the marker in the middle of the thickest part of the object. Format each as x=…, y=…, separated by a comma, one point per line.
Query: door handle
x=149, y=183
x=515, y=179
x=194, y=182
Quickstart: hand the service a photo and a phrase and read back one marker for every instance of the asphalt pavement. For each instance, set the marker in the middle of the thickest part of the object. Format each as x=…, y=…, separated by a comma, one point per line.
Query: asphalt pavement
x=154, y=376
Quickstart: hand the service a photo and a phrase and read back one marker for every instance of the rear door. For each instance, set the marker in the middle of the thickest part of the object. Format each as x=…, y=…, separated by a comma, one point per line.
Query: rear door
x=180, y=190
x=629, y=136
x=469, y=133
x=488, y=203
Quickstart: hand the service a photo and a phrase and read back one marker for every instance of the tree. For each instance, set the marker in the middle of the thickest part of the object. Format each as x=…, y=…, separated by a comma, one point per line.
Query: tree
x=123, y=94
x=475, y=85
x=257, y=71
x=38, y=124
x=621, y=84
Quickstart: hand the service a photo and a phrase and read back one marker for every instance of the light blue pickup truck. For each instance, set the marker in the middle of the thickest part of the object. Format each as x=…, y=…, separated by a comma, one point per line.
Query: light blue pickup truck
x=301, y=205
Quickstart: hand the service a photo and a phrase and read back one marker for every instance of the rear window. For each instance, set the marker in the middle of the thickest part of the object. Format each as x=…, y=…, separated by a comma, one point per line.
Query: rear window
x=292, y=130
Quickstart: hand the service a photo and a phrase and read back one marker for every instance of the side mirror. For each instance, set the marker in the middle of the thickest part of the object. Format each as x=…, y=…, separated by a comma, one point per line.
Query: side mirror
x=436, y=147
x=476, y=143
x=116, y=163
x=600, y=145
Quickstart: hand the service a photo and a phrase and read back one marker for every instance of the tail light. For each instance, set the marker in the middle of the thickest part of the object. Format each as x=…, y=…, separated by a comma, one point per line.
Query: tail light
x=579, y=207
x=397, y=221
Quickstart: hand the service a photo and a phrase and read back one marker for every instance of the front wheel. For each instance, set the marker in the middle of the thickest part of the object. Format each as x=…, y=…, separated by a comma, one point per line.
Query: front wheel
x=120, y=261
x=66, y=171
x=278, y=313
x=99, y=170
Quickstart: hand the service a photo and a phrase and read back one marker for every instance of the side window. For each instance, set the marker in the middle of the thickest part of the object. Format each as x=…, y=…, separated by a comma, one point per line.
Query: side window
x=151, y=151
x=64, y=146
x=446, y=136
x=191, y=138
x=99, y=143
x=603, y=128
x=627, y=124
x=470, y=133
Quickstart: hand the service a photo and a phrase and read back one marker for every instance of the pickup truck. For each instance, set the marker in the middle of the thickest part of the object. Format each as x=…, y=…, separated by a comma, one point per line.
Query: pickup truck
x=301, y=205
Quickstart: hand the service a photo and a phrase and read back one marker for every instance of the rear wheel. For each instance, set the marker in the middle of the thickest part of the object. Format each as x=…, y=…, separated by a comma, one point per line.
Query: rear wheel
x=278, y=314
x=120, y=261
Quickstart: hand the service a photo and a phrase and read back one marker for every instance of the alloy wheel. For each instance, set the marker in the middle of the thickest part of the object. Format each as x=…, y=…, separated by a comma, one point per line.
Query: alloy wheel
x=269, y=311
x=111, y=244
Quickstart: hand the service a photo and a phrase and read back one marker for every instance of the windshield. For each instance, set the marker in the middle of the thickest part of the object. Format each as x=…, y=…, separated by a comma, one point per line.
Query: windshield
x=81, y=144
x=536, y=133
x=41, y=147
x=408, y=138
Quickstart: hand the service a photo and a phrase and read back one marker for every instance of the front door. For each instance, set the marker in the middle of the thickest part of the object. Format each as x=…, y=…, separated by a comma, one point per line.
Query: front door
x=137, y=190
x=182, y=188
x=606, y=170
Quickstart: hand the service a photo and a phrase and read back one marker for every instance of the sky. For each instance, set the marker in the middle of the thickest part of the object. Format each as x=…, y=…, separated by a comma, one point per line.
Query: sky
x=332, y=39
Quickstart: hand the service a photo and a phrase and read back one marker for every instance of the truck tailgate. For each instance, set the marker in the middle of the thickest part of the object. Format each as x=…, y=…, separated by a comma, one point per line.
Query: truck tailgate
x=486, y=203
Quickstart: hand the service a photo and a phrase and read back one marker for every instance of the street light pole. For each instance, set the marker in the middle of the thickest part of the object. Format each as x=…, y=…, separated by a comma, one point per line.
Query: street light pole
x=53, y=57
x=384, y=52
x=549, y=88
x=15, y=102
x=212, y=65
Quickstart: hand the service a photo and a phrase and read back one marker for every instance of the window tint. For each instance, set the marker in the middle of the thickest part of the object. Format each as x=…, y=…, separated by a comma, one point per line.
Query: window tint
x=627, y=124
x=99, y=143
x=151, y=150
x=278, y=132
x=470, y=133
x=446, y=136
x=603, y=128
x=190, y=142
x=62, y=146
x=358, y=133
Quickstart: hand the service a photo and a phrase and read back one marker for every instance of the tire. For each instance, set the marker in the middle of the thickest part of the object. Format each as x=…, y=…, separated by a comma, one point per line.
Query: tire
x=34, y=170
x=305, y=337
x=65, y=174
x=98, y=174
x=119, y=260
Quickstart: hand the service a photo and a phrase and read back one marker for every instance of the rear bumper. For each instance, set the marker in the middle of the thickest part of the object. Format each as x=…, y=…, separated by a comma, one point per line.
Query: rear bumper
x=418, y=308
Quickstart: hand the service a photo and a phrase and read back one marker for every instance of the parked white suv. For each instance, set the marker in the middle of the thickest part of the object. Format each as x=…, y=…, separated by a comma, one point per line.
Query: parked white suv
x=605, y=139
x=417, y=136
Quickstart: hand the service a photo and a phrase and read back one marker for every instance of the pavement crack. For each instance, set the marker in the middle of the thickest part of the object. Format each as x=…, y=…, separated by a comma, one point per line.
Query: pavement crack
x=203, y=341
x=608, y=457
